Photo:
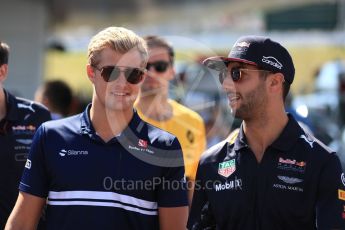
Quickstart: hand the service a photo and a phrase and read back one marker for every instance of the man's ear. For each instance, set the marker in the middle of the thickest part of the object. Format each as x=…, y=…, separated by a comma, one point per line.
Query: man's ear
x=3, y=72
x=90, y=73
x=276, y=81
x=172, y=72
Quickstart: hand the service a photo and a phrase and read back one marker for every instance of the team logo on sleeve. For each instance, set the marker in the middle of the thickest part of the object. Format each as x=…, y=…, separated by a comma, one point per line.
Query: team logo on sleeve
x=28, y=164
x=341, y=194
x=308, y=139
x=227, y=168
x=343, y=179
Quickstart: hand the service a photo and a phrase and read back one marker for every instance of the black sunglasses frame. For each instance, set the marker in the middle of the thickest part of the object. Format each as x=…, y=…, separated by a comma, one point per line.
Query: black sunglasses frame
x=236, y=73
x=111, y=73
x=159, y=66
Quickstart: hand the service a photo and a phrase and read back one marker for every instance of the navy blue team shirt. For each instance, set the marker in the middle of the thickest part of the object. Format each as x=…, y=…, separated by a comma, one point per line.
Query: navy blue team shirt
x=90, y=184
x=17, y=129
x=298, y=185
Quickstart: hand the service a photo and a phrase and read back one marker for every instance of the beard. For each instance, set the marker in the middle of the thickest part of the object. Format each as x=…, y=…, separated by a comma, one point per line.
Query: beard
x=252, y=103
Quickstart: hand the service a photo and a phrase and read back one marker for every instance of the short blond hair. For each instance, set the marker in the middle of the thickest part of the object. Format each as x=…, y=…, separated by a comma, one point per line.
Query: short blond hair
x=120, y=39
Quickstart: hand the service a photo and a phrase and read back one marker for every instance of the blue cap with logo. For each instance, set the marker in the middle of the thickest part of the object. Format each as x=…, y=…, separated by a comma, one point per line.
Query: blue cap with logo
x=260, y=51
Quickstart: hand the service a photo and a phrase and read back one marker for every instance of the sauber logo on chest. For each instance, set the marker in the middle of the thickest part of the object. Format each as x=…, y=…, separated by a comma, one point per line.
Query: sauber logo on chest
x=227, y=168
x=142, y=143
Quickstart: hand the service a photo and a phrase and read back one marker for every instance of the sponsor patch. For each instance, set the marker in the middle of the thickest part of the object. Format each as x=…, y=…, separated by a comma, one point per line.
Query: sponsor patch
x=290, y=180
x=308, y=140
x=291, y=165
x=272, y=61
x=142, y=143
x=288, y=187
x=23, y=129
x=227, y=168
x=28, y=164
x=72, y=152
x=342, y=178
x=341, y=194
x=144, y=149
x=243, y=44
x=235, y=184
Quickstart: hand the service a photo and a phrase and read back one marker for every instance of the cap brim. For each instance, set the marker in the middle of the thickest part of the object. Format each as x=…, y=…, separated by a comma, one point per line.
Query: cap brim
x=219, y=63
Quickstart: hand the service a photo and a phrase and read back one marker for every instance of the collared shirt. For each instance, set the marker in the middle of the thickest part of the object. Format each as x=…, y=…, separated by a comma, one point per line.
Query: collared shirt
x=91, y=184
x=298, y=184
x=188, y=126
x=22, y=119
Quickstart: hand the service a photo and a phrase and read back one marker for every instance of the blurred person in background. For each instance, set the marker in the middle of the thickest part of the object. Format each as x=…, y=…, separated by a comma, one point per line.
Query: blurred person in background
x=57, y=96
x=19, y=120
x=154, y=106
x=105, y=168
x=270, y=174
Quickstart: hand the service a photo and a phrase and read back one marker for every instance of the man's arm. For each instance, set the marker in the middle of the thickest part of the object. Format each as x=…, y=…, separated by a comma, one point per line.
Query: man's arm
x=26, y=213
x=331, y=196
x=173, y=218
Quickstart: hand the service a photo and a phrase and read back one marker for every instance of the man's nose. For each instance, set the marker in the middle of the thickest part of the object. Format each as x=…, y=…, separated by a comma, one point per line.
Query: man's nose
x=228, y=83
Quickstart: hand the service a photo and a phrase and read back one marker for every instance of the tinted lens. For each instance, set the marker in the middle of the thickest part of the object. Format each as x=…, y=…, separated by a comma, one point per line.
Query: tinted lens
x=111, y=73
x=160, y=66
x=235, y=74
x=134, y=75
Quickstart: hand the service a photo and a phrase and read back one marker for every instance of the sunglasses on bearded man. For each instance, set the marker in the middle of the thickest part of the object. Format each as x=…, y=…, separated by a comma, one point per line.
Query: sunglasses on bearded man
x=236, y=73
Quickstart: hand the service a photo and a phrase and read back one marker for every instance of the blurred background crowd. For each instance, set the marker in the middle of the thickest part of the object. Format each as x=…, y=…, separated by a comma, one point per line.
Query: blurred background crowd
x=49, y=38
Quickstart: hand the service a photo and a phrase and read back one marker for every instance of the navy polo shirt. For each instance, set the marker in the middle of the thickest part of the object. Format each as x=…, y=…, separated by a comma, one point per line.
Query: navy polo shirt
x=17, y=129
x=91, y=184
x=298, y=184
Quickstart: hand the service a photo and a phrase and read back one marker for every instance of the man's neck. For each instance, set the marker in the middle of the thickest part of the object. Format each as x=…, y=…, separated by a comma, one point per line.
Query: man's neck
x=263, y=131
x=2, y=104
x=109, y=124
x=156, y=107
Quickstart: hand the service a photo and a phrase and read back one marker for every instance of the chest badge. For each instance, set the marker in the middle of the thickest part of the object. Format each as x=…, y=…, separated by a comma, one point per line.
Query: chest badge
x=227, y=168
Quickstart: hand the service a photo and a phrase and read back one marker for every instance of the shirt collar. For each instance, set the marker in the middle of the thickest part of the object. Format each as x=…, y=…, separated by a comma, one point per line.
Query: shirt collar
x=135, y=125
x=11, y=107
x=291, y=133
x=85, y=122
x=284, y=142
x=241, y=140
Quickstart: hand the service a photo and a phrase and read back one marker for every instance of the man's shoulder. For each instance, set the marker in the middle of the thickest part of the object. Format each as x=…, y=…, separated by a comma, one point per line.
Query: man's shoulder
x=156, y=134
x=28, y=111
x=71, y=122
x=314, y=145
x=26, y=104
x=214, y=153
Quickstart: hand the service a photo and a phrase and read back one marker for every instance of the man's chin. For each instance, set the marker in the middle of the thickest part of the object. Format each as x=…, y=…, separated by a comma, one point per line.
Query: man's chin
x=235, y=113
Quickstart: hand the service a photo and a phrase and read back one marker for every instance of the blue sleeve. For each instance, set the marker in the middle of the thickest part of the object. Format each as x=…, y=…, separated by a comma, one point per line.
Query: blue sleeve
x=172, y=189
x=34, y=179
x=330, y=211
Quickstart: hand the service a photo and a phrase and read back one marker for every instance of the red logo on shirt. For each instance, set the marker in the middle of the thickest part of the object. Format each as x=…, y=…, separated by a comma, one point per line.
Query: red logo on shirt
x=142, y=143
